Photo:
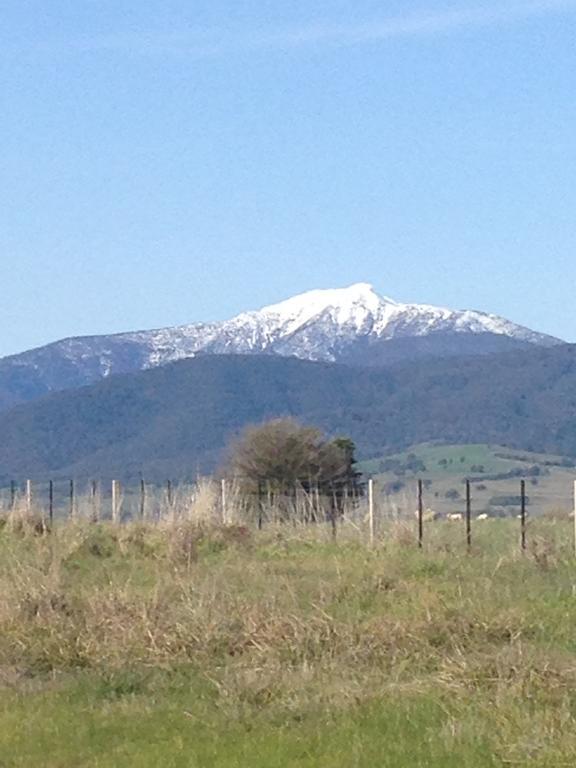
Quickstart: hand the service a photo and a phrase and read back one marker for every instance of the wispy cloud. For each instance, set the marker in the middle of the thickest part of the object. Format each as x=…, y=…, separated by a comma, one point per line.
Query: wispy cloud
x=200, y=43
x=417, y=24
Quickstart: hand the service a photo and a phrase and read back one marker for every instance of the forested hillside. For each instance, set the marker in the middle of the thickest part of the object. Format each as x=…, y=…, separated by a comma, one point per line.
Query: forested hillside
x=176, y=420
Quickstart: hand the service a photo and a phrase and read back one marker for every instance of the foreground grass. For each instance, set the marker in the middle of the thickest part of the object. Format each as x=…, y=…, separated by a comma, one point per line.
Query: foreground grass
x=179, y=646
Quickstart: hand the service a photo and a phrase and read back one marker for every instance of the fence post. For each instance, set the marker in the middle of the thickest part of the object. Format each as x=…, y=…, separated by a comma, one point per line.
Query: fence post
x=224, y=500
x=260, y=521
x=468, y=516
x=94, y=500
x=523, y=515
x=334, y=509
x=51, y=501
x=420, y=514
x=28, y=497
x=169, y=492
x=12, y=495
x=72, y=499
x=574, y=513
x=142, y=499
x=115, y=500
x=371, y=511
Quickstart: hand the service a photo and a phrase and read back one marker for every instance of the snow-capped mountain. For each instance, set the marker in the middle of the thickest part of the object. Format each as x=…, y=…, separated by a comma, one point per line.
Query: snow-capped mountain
x=351, y=325
x=324, y=324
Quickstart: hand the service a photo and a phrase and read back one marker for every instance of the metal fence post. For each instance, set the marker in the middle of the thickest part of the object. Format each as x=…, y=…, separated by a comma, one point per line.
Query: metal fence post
x=420, y=514
x=72, y=509
x=260, y=520
x=468, y=516
x=523, y=515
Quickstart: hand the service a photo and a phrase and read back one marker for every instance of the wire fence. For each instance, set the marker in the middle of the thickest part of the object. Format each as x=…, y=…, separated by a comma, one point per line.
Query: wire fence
x=226, y=500
x=364, y=511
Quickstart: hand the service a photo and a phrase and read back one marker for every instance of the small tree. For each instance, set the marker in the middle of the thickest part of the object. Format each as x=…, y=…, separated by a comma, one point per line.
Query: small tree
x=283, y=455
x=346, y=479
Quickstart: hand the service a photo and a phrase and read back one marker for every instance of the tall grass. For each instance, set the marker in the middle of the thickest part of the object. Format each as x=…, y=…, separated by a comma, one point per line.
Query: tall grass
x=188, y=642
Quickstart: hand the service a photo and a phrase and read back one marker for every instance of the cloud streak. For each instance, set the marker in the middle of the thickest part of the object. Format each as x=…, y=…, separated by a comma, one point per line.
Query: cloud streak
x=191, y=42
x=421, y=24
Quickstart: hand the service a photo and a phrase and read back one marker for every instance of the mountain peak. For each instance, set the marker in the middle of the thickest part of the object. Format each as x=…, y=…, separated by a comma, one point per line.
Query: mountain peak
x=351, y=325
x=351, y=306
x=323, y=324
x=321, y=298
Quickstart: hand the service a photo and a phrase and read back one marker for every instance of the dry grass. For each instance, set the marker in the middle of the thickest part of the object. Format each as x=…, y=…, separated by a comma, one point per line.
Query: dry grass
x=286, y=622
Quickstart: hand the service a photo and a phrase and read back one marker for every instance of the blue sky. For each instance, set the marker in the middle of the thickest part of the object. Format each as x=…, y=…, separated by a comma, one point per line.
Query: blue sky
x=166, y=162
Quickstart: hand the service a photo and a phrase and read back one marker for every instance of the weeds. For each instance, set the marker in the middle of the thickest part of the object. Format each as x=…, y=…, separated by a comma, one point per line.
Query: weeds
x=284, y=627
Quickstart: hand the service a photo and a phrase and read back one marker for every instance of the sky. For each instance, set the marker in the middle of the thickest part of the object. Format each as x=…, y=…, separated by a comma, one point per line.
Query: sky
x=166, y=161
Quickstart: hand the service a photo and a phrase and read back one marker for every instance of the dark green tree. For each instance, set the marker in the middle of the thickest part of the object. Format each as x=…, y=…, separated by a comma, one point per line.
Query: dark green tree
x=283, y=455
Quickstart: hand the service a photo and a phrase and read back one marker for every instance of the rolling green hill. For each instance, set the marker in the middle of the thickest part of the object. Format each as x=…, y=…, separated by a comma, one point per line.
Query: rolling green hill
x=495, y=472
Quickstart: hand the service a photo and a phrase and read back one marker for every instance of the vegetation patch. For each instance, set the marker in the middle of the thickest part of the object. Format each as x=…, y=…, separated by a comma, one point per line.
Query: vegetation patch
x=182, y=644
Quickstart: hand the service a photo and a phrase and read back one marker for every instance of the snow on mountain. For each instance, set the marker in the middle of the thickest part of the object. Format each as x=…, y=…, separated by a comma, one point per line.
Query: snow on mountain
x=351, y=324
x=322, y=324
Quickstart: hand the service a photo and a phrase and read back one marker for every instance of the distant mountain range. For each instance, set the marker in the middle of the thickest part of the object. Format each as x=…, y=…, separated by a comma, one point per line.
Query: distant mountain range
x=175, y=420
x=353, y=326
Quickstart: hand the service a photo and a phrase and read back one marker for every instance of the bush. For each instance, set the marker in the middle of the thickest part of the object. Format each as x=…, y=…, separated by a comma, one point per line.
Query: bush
x=283, y=455
x=507, y=501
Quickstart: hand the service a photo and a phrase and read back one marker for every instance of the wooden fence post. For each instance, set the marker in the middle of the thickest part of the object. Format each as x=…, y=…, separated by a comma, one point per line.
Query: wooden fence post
x=224, y=500
x=371, y=521
x=333, y=521
x=142, y=499
x=170, y=499
x=115, y=500
x=574, y=513
x=94, y=501
x=28, y=497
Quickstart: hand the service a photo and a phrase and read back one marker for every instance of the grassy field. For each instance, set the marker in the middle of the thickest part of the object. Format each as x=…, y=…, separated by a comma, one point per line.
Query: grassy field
x=446, y=467
x=178, y=645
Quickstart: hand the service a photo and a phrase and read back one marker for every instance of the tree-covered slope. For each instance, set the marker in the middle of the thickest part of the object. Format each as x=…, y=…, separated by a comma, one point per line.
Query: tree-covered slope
x=176, y=420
